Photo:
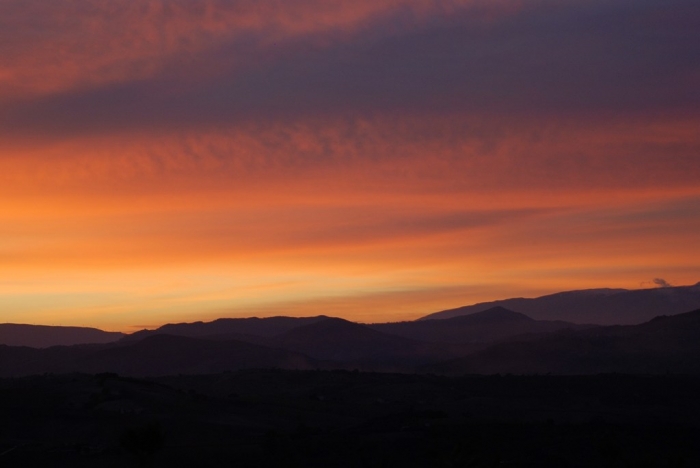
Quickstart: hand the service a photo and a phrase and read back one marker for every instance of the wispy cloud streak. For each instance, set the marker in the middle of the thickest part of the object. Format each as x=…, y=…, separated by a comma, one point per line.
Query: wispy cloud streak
x=166, y=157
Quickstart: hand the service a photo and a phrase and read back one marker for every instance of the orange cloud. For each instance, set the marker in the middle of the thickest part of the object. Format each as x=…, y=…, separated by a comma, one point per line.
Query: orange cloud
x=376, y=160
x=53, y=47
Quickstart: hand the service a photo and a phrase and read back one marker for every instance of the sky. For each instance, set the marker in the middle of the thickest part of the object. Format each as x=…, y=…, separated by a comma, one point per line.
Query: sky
x=377, y=160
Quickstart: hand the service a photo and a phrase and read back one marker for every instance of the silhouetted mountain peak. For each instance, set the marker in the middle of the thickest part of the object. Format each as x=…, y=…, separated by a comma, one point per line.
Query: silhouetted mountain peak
x=338, y=339
x=333, y=323
x=601, y=306
x=330, y=328
x=264, y=327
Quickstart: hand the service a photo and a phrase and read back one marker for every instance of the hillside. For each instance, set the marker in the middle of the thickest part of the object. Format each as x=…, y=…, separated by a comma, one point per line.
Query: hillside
x=43, y=336
x=152, y=356
x=664, y=344
x=494, y=324
x=599, y=306
x=340, y=340
x=253, y=326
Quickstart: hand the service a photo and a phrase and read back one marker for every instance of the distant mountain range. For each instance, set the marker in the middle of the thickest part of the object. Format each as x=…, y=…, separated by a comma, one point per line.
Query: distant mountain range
x=569, y=309
x=152, y=356
x=253, y=326
x=43, y=336
x=460, y=341
x=664, y=344
x=494, y=324
x=599, y=306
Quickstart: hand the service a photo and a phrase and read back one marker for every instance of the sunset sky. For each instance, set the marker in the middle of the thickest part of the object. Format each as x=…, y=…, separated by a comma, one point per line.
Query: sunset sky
x=377, y=160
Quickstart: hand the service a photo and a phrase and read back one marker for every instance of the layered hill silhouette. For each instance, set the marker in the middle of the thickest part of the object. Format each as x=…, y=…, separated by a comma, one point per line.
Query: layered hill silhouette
x=664, y=344
x=152, y=356
x=42, y=336
x=487, y=326
x=494, y=324
x=251, y=326
x=493, y=340
x=342, y=340
x=317, y=342
x=354, y=345
x=599, y=306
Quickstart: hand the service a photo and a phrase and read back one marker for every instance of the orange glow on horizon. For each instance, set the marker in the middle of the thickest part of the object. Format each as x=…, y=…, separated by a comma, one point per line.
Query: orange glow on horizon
x=375, y=160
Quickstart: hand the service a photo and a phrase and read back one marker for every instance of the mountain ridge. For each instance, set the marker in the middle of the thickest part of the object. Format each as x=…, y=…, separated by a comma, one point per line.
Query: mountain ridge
x=663, y=344
x=152, y=356
x=494, y=324
x=257, y=326
x=599, y=306
x=45, y=336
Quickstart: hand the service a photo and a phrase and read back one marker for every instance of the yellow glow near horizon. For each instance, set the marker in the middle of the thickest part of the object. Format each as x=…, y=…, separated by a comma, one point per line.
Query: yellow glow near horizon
x=375, y=160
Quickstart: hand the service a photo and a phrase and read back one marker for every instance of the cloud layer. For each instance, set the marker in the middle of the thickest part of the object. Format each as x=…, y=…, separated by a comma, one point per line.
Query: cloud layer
x=337, y=150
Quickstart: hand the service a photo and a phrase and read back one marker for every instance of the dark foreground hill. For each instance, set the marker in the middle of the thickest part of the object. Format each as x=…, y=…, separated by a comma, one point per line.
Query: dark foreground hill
x=351, y=340
x=340, y=340
x=512, y=343
x=251, y=326
x=599, y=306
x=152, y=356
x=320, y=419
x=491, y=325
x=327, y=343
x=352, y=345
x=42, y=336
x=664, y=344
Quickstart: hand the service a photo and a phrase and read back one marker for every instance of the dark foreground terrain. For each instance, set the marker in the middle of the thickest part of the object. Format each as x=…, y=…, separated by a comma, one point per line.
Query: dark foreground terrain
x=343, y=419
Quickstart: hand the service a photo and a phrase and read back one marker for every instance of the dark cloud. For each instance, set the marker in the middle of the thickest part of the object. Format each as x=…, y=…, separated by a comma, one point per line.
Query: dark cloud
x=662, y=283
x=553, y=58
